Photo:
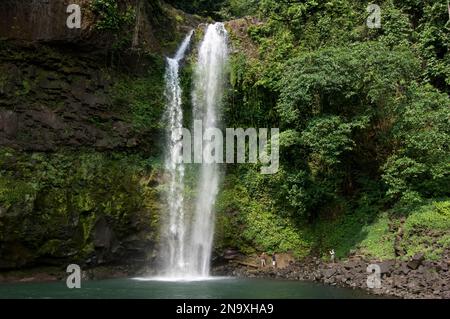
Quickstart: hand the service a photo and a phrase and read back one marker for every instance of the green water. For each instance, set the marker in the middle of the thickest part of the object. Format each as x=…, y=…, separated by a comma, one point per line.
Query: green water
x=231, y=288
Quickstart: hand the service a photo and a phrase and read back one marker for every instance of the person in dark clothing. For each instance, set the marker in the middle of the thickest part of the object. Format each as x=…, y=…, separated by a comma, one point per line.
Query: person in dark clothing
x=274, y=261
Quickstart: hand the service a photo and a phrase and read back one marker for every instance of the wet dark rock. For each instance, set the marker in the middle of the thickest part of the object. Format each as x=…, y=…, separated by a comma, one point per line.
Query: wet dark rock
x=416, y=261
x=8, y=122
x=103, y=235
x=404, y=269
x=230, y=254
x=329, y=273
x=49, y=84
x=386, y=266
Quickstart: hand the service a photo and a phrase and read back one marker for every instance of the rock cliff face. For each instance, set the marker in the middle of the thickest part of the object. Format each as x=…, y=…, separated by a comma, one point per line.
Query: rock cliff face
x=50, y=99
x=79, y=133
x=41, y=20
x=154, y=25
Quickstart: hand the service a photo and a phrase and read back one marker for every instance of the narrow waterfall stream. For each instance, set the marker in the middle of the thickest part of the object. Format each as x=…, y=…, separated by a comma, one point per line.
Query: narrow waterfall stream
x=207, y=97
x=173, y=234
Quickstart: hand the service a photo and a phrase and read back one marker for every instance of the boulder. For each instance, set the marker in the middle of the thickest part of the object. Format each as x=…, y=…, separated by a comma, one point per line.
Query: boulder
x=230, y=254
x=404, y=269
x=350, y=265
x=416, y=261
x=387, y=267
x=329, y=273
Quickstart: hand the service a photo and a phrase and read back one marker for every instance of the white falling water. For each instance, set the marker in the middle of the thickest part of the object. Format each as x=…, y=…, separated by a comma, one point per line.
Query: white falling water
x=174, y=227
x=207, y=96
x=187, y=239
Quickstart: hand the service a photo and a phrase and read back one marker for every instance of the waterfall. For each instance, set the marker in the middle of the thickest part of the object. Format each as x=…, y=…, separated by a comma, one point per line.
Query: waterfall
x=187, y=238
x=173, y=234
x=207, y=96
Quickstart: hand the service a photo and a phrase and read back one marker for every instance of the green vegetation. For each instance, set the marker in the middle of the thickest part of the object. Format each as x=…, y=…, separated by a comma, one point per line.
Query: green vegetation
x=110, y=16
x=253, y=226
x=364, y=115
x=141, y=99
x=116, y=19
x=426, y=230
x=200, y=7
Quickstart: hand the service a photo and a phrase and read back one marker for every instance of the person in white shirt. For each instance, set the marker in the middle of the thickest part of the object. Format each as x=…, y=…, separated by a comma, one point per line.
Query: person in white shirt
x=332, y=255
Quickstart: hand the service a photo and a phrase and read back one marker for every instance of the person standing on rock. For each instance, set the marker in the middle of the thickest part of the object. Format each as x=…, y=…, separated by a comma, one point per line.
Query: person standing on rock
x=274, y=261
x=263, y=260
x=332, y=255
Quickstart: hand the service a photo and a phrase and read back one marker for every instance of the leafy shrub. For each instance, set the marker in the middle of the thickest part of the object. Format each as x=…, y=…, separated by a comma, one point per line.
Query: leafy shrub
x=110, y=17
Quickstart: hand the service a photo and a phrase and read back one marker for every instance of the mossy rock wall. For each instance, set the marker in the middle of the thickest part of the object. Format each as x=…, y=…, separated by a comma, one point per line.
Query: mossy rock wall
x=86, y=207
x=80, y=134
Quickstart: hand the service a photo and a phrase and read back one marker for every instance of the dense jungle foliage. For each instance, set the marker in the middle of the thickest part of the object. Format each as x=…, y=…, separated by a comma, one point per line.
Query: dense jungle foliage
x=364, y=115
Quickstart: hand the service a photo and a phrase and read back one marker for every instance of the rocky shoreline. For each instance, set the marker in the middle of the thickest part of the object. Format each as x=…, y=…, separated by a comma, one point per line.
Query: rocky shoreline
x=413, y=279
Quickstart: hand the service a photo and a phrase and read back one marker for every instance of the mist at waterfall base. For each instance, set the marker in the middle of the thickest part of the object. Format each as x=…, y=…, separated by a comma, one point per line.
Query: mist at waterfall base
x=187, y=236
